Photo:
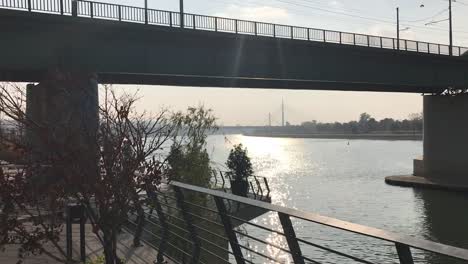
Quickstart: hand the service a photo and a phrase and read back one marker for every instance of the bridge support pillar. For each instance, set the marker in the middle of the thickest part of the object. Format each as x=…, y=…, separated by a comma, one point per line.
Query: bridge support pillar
x=64, y=112
x=445, y=161
x=446, y=138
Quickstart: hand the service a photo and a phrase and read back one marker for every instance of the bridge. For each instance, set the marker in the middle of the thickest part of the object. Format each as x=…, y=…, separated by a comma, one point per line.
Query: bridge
x=77, y=44
x=133, y=45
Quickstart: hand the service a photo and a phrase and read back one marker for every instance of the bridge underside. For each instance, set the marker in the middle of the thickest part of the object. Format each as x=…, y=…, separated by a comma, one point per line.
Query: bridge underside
x=131, y=53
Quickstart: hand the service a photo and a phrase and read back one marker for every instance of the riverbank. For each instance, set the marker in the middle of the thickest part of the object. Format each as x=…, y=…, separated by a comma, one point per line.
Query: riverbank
x=340, y=136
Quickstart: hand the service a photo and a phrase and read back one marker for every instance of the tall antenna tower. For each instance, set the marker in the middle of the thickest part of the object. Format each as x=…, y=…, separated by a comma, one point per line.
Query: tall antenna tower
x=282, y=112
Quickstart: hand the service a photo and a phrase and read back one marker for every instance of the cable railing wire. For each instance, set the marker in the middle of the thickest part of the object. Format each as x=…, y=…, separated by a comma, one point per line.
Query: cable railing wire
x=207, y=215
x=188, y=241
x=334, y=251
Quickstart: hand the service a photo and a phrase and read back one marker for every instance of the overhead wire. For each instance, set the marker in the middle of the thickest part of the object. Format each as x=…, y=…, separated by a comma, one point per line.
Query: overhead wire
x=427, y=18
x=343, y=10
x=434, y=30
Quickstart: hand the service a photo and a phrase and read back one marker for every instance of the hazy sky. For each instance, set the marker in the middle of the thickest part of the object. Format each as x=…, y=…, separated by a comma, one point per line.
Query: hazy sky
x=250, y=106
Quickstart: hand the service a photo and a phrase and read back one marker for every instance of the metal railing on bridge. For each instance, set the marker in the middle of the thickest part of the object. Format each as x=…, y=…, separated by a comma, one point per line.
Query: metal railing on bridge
x=195, y=225
x=134, y=14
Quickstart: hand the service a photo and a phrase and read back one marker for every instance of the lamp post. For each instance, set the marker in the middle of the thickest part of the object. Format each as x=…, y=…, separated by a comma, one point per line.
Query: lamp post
x=146, y=11
x=182, y=22
x=450, y=28
x=398, y=27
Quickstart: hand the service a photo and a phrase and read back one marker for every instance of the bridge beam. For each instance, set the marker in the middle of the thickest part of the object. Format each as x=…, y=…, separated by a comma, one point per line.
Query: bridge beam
x=132, y=53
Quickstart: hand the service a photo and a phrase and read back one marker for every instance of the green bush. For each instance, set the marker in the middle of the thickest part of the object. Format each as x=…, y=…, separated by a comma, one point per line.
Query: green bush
x=239, y=164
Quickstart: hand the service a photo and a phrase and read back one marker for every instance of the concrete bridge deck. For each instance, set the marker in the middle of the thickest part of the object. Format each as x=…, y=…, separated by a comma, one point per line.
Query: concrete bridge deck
x=121, y=52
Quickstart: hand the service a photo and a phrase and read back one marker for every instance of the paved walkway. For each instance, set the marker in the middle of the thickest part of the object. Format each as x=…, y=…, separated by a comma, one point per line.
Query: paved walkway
x=140, y=255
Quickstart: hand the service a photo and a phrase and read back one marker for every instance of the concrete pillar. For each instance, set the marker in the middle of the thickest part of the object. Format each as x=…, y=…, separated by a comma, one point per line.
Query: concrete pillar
x=64, y=117
x=446, y=138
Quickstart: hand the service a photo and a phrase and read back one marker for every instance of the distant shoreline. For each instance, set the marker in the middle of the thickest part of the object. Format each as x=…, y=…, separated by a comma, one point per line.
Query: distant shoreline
x=341, y=136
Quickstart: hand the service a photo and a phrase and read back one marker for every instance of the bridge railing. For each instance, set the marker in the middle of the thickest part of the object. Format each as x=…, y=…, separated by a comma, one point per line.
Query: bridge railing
x=258, y=185
x=190, y=224
x=100, y=10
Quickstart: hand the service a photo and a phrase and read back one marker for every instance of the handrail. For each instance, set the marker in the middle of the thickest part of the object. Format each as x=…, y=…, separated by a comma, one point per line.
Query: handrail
x=426, y=245
x=239, y=26
x=198, y=221
x=260, y=189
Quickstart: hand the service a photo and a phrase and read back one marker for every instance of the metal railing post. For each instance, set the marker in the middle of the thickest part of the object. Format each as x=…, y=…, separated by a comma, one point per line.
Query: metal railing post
x=61, y=7
x=255, y=28
x=274, y=30
x=293, y=244
x=292, y=32
x=267, y=186
x=354, y=39
x=69, y=234
x=253, y=190
x=82, y=237
x=170, y=19
x=165, y=227
x=194, y=22
x=259, y=186
x=229, y=229
x=235, y=26
x=393, y=43
x=216, y=24
x=340, y=38
x=324, y=36
x=428, y=48
x=308, y=34
x=29, y=5
x=222, y=178
x=417, y=46
x=189, y=223
x=120, y=12
x=381, y=42
x=74, y=8
x=459, y=51
x=368, y=41
x=91, y=9
x=438, y=48
x=404, y=253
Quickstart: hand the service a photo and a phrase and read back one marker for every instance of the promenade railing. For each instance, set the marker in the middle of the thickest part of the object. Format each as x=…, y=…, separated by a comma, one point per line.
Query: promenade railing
x=141, y=15
x=258, y=185
x=191, y=224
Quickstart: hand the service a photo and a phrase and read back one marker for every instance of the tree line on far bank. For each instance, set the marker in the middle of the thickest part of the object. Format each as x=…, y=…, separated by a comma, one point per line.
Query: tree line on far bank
x=365, y=124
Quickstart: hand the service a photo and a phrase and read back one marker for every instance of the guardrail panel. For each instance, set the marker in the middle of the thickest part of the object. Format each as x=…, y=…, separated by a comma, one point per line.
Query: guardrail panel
x=226, y=25
x=265, y=29
x=332, y=36
x=411, y=45
x=300, y=33
x=158, y=17
x=387, y=43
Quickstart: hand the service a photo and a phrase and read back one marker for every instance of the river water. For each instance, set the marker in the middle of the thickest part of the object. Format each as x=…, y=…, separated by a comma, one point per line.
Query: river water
x=345, y=180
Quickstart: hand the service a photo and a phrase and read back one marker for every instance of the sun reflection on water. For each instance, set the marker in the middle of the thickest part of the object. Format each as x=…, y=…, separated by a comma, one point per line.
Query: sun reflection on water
x=272, y=160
